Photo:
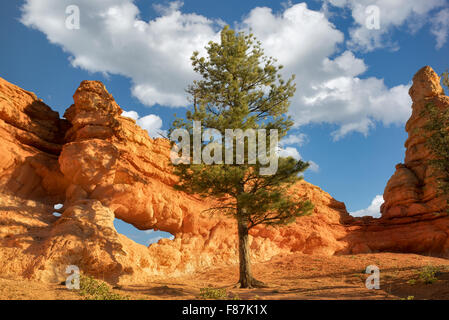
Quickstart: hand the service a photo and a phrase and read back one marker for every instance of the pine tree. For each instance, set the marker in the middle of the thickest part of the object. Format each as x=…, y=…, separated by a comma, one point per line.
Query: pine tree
x=445, y=78
x=241, y=88
x=436, y=133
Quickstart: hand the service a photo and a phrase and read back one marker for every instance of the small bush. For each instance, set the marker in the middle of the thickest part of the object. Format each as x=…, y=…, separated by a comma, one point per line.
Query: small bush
x=445, y=78
x=412, y=282
x=92, y=289
x=212, y=293
x=429, y=274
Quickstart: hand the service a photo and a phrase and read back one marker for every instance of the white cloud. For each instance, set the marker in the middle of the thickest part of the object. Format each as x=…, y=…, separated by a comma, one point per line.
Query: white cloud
x=130, y=114
x=313, y=166
x=294, y=153
x=170, y=8
x=295, y=139
x=440, y=27
x=347, y=63
x=152, y=123
x=392, y=14
x=156, y=239
x=329, y=90
x=289, y=152
x=113, y=39
x=156, y=56
x=356, y=104
x=373, y=209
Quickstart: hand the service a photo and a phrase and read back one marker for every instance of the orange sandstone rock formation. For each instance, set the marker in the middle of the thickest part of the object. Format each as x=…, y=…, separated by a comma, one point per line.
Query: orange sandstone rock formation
x=31, y=138
x=413, y=214
x=412, y=190
x=102, y=166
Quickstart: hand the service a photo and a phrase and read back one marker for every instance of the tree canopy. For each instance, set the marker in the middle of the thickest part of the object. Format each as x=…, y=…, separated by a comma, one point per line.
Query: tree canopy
x=241, y=89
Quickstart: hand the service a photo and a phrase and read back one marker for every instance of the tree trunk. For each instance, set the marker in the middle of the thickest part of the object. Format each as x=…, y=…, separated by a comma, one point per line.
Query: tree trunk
x=244, y=258
x=246, y=278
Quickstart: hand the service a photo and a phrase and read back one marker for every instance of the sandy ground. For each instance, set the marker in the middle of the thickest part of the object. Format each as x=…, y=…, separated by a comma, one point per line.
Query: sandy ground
x=294, y=276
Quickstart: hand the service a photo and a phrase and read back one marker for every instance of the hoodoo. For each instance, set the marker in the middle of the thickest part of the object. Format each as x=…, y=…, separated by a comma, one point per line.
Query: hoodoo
x=413, y=214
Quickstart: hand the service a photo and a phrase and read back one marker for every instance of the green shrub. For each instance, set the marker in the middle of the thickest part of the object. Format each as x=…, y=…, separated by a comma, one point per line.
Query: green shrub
x=445, y=78
x=429, y=274
x=92, y=289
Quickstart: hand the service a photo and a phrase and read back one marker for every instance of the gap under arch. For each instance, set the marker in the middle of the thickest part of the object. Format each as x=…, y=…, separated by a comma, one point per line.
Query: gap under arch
x=145, y=237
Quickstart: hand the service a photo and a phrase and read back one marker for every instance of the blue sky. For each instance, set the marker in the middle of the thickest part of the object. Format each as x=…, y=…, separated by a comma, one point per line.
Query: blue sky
x=351, y=103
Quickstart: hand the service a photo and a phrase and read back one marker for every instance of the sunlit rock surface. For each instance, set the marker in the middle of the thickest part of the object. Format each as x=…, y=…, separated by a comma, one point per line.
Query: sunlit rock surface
x=103, y=166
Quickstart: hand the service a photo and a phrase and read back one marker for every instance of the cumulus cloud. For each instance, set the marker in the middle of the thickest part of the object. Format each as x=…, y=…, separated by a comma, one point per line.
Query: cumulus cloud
x=440, y=28
x=373, y=209
x=113, y=39
x=155, y=55
x=289, y=152
x=392, y=14
x=356, y=104
x=294, y=153
x=295, y=139
x=152, y=123
x=329, y=90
